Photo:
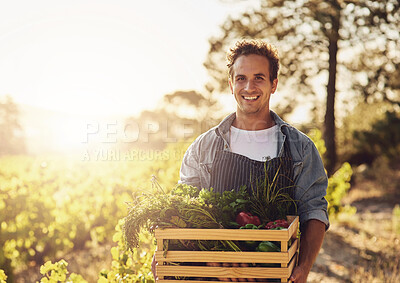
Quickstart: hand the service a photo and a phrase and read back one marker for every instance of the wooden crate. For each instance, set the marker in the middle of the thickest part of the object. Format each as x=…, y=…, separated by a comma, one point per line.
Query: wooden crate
x=287, y=257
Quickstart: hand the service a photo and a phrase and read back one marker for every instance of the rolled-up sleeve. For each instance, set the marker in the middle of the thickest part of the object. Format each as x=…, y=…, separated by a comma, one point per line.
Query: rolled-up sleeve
x=190, y=168
x=312, y=183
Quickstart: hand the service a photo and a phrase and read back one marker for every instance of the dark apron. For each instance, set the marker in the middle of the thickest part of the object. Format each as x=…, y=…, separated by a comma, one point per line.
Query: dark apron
x=230, y=171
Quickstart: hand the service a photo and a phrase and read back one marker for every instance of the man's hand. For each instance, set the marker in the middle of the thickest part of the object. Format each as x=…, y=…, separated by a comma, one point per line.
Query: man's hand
x=310, y=244
x=299, y=275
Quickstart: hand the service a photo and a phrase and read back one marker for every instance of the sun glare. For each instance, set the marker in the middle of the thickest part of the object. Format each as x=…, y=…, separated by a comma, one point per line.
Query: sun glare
x=68, y=134
x=101, y=59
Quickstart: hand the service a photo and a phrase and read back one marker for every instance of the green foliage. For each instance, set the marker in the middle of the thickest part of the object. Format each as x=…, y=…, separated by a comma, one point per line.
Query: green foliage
x=53, y=206
x=361, y=118
x=316, y=136
x=129, y=265
x=338, y=186
x=50, y=207
x=396, y=219
x=383, y=139
x=3, y=276
x=226, y=205
x=174, y=209
x=187, y=207
x=270, y=201
x=338, y=183
x=57, y=272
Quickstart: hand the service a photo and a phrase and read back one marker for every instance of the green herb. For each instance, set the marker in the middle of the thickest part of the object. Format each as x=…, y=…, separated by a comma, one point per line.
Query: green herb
x=268, y=200
x=184, y=207
x=188, y=207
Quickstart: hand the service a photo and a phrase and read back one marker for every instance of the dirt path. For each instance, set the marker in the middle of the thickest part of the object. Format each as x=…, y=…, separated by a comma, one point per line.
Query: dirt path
x=362, y=247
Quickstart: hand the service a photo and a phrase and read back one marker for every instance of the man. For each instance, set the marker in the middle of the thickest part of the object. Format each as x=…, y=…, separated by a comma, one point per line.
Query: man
x=223, y=157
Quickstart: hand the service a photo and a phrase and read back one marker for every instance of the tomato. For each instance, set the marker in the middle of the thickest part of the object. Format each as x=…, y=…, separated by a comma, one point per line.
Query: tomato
x=277, y=224
x=244, y=218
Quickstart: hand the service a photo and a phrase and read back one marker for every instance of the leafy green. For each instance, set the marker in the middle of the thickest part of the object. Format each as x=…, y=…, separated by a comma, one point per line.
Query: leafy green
x=184, y=207
x=188, y=207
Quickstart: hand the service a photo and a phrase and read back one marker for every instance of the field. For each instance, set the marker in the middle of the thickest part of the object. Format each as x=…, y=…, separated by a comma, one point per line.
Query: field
x=54, y=208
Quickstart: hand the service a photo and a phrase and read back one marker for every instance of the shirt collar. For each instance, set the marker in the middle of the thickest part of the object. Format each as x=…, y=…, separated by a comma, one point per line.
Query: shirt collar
x=224, y=126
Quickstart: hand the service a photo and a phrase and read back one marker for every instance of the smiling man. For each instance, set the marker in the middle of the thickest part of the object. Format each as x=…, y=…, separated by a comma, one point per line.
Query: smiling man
x=237, y=151
x=250, y=83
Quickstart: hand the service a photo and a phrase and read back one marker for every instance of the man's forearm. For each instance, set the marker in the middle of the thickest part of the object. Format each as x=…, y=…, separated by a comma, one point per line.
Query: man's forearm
x=310, y=243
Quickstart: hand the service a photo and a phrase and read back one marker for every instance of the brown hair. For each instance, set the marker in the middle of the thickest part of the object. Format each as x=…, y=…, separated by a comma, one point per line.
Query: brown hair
x=258, y=47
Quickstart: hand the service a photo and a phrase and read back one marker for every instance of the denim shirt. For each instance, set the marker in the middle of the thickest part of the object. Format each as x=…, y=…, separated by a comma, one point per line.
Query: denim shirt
x=309, y=174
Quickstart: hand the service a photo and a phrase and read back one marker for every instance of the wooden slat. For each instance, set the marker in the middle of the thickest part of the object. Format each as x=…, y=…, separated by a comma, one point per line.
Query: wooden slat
x=222, y=234
x=229, y=234
x=293, y=248
x=256, y=269
x=241, y=257
x=224, y=272
x=278, y=272
x=245, y=257
x=284, y=246
x=160, y=245
x=292, y=263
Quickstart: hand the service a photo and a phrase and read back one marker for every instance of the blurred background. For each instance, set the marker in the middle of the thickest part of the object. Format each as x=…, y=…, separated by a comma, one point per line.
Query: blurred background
x=97, y=98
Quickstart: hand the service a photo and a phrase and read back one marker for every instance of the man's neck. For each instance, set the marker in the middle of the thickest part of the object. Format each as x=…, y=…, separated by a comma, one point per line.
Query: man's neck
x=256, y=123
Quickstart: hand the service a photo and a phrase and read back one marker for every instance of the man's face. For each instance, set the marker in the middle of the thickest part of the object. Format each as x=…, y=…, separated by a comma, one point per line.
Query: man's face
x=251, y=86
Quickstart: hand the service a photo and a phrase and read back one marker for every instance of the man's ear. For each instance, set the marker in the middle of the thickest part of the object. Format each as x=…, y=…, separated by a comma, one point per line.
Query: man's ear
x=230, y=84
x=274, y=85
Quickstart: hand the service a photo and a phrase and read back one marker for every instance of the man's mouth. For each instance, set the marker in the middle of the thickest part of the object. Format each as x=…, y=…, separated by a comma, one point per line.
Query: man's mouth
x=254, y=97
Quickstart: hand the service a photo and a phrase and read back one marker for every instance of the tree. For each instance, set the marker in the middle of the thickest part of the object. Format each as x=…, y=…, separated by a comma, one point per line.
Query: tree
x=310, y=36
x=11, y=139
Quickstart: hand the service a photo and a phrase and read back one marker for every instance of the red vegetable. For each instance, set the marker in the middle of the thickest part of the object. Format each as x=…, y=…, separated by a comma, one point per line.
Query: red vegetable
x=277, y=223
x=244, y=218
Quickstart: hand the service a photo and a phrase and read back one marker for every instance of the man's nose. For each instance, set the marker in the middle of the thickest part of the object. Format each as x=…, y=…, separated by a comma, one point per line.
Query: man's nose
x=249, y=85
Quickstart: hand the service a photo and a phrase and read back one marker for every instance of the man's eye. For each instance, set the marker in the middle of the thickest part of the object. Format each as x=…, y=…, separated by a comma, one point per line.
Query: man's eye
x=240, y=79
x=259, y=78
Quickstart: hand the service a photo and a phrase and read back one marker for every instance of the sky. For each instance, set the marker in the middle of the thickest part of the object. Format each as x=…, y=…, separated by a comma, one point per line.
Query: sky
x=81, y=62
x=105, y=57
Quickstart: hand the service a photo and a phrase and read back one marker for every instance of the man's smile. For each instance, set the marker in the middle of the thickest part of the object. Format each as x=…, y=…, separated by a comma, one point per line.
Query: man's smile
x=254, y=97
